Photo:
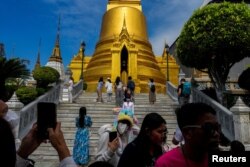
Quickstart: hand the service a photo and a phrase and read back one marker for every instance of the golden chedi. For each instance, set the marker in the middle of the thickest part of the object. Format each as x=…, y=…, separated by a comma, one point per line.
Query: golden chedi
x=123, y=50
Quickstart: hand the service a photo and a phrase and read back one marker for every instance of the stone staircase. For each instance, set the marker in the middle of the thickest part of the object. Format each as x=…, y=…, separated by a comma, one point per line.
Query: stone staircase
x=101, y=113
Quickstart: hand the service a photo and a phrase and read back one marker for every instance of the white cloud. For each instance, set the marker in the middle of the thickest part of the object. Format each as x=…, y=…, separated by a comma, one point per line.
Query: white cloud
x=81, y=19
x=166, y=19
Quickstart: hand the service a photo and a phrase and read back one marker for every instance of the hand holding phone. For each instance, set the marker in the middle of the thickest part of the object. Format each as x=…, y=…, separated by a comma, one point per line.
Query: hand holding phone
x=112, y=136
x=46, y=118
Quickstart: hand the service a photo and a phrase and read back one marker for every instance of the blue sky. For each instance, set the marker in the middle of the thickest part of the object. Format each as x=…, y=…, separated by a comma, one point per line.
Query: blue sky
x=24, y=22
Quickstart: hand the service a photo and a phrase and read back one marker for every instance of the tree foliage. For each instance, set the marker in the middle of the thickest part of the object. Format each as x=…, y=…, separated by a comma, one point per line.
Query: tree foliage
x=214, y=39
x=26, y=94
x=45, y=75
x=244, y=79
x=12, y=68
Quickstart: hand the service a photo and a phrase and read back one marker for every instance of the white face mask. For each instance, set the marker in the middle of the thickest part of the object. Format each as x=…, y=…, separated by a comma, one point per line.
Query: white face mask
x=122, y=128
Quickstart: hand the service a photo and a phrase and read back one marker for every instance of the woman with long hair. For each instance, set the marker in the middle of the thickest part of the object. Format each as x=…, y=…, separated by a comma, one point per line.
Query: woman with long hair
x=81, y=144
x=118, y=92
x=152, y=95
x=109, y=88
x=147, y=146
x=99, y=90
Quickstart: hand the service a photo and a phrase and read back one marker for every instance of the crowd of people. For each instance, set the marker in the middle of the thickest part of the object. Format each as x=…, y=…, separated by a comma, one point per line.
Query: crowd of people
x=122, y=90
x=123, y=143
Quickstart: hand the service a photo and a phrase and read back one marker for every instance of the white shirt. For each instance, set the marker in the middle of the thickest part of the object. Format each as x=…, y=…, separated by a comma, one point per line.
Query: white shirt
x=129, y=106
x=71, y=84
x=109, y=87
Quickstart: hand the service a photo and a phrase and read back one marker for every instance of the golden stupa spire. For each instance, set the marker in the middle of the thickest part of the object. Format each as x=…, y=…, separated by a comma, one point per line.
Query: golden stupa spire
x=38, y=63
x=124, y=23
x=124, y=27
x=56, y=53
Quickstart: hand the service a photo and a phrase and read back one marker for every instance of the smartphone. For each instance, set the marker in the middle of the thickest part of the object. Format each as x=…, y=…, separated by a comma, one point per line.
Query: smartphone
x=112, y=136
x=46, y=118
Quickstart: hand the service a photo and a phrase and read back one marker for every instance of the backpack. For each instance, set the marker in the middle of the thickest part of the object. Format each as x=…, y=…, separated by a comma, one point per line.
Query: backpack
x=186, y=91
x=131, y=85
x=152, y=88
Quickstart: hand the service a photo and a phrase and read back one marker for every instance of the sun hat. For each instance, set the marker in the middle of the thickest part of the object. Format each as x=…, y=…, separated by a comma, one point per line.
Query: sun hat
x=123, y=117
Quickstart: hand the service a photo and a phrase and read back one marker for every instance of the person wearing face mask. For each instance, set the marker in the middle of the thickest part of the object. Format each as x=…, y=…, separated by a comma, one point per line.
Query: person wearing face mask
x=148, y=145
x=110, y=150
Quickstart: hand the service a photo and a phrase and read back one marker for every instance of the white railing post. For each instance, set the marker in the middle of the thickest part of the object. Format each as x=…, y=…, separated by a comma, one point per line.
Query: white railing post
x=15, y=106
x=241, y=114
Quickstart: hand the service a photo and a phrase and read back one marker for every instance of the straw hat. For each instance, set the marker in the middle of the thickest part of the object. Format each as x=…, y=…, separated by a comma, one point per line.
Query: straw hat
x=123, y=116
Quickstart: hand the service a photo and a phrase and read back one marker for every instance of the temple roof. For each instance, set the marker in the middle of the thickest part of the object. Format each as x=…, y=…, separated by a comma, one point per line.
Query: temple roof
x=56, y=53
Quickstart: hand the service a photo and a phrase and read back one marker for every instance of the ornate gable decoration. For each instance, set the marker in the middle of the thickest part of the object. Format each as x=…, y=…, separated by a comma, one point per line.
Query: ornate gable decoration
x=124, y=37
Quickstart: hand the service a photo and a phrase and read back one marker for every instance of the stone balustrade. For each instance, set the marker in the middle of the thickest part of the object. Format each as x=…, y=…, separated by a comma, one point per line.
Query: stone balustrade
x=235, y=122
x=172, y=91
x=225, y=116
x=77, y=90
x=204, y=83
x=28, y=114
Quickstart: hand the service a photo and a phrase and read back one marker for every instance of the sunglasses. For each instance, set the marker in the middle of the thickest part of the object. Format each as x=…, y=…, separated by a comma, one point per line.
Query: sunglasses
x=208, y=128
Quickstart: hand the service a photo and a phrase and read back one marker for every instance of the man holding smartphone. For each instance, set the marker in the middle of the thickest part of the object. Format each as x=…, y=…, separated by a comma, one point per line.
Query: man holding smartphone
x=113, y=140
x=31, y=142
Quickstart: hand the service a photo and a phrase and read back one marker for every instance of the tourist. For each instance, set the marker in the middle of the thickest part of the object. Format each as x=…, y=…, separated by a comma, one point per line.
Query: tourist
x=177, y=137
x=118, y=92
x=81, y=144
x=109, y=88
x=12, y=118
x=29, y=144
x=201, y=132
x=71, y=84
x=110, y=148
x=236, y=147
x=11, y=158
x=99, y=90
x=147, y=147
x=3, y=109
x=7, y=144
x=184, y=91
x=129, y=106
x=131, y=86
x=152, y=95
x=128, y=95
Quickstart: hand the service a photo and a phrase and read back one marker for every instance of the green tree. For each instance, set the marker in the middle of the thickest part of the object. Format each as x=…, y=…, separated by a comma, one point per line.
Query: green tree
x=214, y=39
x=45, y=75
x=12, y=68
x=26, y=94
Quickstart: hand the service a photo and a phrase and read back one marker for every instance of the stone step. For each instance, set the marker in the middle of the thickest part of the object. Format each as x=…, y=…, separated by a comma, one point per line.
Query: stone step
x=101, y=113
x=100, y=110
x=109, y=119
x=110, y=105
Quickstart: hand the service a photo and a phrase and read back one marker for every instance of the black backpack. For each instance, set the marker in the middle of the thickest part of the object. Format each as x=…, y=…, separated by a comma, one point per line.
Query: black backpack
x=152, y=88
x=131, y=85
